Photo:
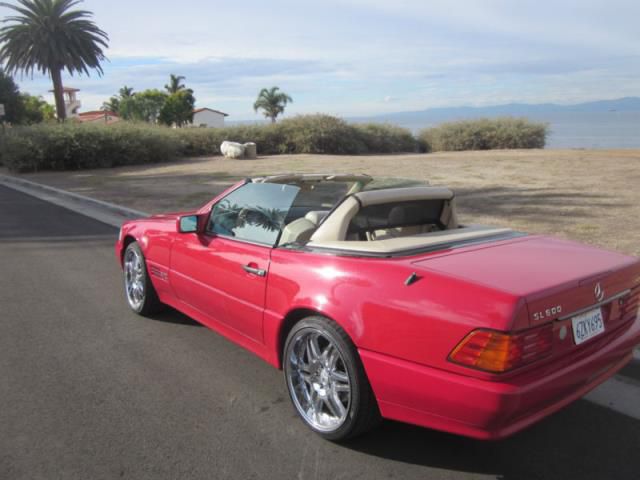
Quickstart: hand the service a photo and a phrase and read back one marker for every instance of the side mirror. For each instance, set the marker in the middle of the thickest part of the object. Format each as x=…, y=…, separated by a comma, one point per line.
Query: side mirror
x=188, y=224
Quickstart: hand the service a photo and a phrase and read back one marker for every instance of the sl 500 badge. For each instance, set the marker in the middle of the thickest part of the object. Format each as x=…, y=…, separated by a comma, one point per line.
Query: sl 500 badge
x=548, y=313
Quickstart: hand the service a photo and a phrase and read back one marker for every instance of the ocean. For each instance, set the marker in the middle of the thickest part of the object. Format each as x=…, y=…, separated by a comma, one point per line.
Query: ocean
x=567, y=129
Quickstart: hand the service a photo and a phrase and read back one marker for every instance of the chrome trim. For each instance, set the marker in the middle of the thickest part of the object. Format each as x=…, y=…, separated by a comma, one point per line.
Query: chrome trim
x=255, y=271
x=596, y=305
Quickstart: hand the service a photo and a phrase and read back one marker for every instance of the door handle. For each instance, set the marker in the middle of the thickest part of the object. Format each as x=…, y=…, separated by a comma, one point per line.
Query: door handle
x=256, y=271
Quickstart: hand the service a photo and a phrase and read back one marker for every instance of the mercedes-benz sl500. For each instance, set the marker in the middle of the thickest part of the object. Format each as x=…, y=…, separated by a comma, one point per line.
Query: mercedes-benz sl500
x=376, y=302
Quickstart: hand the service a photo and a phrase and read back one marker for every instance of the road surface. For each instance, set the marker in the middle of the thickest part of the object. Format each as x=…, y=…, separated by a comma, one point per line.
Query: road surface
x=88, y=390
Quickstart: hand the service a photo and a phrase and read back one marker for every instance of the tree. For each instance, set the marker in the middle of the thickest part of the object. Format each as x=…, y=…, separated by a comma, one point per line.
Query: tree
x=143, y=106
x=111, y=105
x=178, y=109
x=175, y=83
x=47, y=36
x=35, y=109
x=126, y=92
x=272, y=102
x=10, y=97
x=114, y=103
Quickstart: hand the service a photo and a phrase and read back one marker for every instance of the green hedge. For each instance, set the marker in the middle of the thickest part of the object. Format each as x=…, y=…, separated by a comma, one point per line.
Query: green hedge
x=303, y=134
x=79, y=146
x=484, y=134
x=73, y=147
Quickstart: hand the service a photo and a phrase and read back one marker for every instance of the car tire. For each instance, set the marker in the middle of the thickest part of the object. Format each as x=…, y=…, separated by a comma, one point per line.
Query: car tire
x=326, y=380
x=138, y=288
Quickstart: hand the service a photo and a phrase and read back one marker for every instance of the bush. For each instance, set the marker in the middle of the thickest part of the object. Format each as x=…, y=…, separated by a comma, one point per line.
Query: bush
x=384, y=138
x=484, y=134
x=320, y=134
x=206, y=141
x=77, y=146
x=73, y=147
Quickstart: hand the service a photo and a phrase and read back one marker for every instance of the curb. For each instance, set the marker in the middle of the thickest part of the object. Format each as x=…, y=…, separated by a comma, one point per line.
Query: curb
x=104, y=212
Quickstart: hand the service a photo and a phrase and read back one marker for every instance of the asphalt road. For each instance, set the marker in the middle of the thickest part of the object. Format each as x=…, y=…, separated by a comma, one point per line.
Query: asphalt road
x=89, y=390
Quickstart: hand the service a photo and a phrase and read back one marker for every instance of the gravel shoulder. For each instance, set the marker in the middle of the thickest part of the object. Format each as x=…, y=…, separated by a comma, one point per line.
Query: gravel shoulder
x=588, y=195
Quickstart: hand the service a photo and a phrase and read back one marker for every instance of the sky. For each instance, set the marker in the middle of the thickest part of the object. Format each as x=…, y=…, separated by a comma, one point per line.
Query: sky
x=366, y=57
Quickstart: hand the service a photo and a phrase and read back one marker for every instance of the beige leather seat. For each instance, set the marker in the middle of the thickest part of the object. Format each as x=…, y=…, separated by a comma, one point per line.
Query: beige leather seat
x=335, y=228
x=300, y=230
x=398, y=216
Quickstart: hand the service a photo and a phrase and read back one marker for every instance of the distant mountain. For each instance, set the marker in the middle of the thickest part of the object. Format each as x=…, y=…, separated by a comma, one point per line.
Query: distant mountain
x=434, y=115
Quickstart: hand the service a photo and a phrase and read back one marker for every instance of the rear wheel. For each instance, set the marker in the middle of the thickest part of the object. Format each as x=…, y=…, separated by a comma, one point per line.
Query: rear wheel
x=326, y=380
x=140, y=293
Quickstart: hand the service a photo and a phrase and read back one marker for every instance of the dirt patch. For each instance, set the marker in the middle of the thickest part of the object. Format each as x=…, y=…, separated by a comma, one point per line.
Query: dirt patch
x=587, y=195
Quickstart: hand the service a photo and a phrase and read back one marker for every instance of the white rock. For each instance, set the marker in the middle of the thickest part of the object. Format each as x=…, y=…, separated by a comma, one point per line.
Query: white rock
x=232, y=149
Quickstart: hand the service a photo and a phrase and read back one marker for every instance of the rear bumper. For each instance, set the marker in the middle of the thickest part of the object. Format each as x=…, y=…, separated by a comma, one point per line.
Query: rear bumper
x=487, y=409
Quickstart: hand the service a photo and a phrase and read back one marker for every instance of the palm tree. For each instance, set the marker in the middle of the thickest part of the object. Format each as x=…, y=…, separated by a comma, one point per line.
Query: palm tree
x=116, y=101
x=126, y=92
x=175, y=83
x=47, y=36
x=111, y=105
x=272, y=102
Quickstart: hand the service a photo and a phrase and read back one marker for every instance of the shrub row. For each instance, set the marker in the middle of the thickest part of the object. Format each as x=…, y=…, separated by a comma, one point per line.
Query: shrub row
x=302, y=134
x=484, y=134
x=80, y=146
x=73, y=147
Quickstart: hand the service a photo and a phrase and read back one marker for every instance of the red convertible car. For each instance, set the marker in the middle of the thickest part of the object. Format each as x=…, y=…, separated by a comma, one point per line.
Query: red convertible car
x=377, y=303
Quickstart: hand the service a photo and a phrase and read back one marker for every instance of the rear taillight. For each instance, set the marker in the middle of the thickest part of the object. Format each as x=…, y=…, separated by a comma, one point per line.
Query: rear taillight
x=630, y=304
x=499, y=352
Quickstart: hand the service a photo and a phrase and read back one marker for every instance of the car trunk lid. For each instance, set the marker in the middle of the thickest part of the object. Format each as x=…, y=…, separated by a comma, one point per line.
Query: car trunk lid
x=557, y=278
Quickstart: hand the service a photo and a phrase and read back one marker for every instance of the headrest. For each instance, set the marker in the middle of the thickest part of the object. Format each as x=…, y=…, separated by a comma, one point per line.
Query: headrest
x=316, y=216
x=390, y=195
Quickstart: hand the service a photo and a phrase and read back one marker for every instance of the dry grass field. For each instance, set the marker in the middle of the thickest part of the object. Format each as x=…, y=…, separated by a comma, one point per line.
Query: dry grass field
x=588, y=195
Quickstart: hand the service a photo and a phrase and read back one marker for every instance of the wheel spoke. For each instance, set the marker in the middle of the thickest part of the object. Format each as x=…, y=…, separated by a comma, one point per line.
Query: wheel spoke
x=341, y=387
x=338, y=376
x=316, y=403
x=332, y=357
x=313, y=349
x=332, y=407
x=302, y=387
x=336, y=404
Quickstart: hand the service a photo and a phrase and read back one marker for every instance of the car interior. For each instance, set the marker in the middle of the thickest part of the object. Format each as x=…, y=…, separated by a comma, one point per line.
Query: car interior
x=341, y=213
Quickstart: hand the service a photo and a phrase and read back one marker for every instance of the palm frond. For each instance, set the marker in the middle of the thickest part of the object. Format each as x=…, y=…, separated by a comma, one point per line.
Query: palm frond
x=47, y=34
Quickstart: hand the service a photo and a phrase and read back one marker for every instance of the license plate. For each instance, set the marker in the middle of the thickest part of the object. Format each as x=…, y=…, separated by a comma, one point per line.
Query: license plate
x=587, y=325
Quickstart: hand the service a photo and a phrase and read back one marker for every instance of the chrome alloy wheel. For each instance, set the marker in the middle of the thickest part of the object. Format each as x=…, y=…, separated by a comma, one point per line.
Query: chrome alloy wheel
x=318, y=380
x=134, y=278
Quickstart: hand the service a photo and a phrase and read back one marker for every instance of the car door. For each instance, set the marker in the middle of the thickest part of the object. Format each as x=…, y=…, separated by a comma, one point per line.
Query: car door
x=223, y=271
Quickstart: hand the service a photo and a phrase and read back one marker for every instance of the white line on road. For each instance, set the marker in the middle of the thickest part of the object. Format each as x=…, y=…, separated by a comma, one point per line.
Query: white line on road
x=620, y=395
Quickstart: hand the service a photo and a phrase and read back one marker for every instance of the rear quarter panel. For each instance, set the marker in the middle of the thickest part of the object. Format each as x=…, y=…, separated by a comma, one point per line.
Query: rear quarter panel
x=367, y=297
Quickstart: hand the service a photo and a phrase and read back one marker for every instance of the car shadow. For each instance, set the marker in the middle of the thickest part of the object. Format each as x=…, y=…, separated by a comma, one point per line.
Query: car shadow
x=170, y=315
x=583, y=441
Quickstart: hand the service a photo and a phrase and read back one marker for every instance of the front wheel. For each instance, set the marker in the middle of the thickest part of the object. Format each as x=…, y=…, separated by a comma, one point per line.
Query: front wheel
x=326, y=380
x=141, y=295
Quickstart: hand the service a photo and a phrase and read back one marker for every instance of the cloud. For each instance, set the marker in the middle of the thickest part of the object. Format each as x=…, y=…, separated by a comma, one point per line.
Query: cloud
x=353, y=57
